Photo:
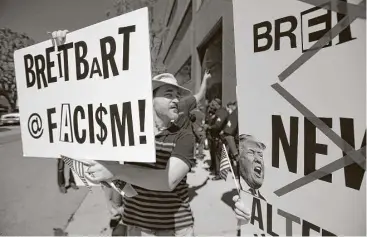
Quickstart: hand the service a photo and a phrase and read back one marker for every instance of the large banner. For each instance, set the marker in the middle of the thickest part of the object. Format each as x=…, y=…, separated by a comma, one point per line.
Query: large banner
x=303, y=98
x=90, y=98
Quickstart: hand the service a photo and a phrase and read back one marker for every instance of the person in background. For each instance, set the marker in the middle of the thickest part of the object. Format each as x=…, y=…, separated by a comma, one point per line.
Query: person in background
x=209, y=119
x=169, y=212
x=216, y=125
x=230, y=138
x=61, y=177
x=228, y=107
x=231, y=106
x=209, y=114
x=199, y=132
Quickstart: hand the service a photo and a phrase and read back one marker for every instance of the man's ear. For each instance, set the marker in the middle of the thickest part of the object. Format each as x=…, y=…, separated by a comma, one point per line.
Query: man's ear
x=154, y=92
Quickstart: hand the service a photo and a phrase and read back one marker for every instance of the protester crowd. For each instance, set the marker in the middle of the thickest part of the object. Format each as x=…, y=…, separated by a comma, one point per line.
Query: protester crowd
x=183, y=129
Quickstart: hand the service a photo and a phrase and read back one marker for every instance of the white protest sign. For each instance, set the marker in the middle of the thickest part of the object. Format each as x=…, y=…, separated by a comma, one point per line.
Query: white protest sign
x=309, y=117
x=90, y=98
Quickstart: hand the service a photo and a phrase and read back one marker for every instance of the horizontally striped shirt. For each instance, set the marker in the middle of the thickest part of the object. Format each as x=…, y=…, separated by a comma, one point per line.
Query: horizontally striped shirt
x=158, y=210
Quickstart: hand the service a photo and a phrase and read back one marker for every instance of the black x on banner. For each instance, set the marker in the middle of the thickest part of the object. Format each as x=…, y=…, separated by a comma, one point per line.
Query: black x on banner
x=352, y=12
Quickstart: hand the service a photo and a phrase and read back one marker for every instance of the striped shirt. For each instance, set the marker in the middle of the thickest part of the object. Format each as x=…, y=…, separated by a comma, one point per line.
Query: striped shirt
x=158, y=210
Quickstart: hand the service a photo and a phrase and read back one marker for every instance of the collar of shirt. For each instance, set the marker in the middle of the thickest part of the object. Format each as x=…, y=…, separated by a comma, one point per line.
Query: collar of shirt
x=244, y=187
x=171, y=129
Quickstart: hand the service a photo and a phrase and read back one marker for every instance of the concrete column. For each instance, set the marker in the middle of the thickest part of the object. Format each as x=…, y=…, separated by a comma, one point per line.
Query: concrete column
x=229, y=57
x=195, y=61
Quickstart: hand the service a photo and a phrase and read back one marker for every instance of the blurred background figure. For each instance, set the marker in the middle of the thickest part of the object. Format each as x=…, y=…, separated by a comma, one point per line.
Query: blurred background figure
x=61, y=177
x=231, y=106
x=217, y=121
x=198, y=121
x=230, y=137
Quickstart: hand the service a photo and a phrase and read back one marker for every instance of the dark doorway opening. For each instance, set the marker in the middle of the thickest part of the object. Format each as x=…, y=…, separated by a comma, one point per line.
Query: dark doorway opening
x=210, y=54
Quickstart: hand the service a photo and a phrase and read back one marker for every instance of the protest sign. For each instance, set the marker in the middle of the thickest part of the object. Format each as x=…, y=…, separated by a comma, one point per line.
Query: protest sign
x=90, y=98
x=303, y=96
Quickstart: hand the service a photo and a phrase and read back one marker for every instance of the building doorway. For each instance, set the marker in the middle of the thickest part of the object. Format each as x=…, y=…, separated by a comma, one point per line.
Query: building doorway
x=210, y=55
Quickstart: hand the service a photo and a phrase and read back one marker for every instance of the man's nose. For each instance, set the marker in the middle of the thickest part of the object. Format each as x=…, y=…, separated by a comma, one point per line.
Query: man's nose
x=175, y=100
x=258, y=158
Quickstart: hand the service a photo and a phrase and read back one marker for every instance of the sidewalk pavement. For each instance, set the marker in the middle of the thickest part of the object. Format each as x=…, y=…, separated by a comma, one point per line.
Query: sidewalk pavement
x=9, y=134
x=9, y=130
x=211, y=204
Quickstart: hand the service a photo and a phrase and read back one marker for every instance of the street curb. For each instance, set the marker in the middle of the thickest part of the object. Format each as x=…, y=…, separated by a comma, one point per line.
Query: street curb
x=91, y=217
x=9, y=139
x=71, y=218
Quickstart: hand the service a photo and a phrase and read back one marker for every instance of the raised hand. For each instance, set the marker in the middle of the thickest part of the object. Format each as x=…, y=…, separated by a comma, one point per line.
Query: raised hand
x=207, y=74
x=58, y=37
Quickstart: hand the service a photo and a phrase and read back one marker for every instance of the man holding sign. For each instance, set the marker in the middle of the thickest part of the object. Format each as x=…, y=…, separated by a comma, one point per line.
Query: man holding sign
x=162, y=204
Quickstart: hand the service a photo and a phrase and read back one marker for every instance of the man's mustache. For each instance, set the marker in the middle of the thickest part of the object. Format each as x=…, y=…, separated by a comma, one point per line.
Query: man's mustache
x=174, y=105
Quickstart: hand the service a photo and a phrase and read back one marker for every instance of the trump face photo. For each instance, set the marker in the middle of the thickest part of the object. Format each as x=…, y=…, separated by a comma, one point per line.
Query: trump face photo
x=251, y=161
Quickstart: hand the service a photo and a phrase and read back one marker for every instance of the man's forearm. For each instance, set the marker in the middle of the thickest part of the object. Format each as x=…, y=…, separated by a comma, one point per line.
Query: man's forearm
x=200, y=95
x=147, y=178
